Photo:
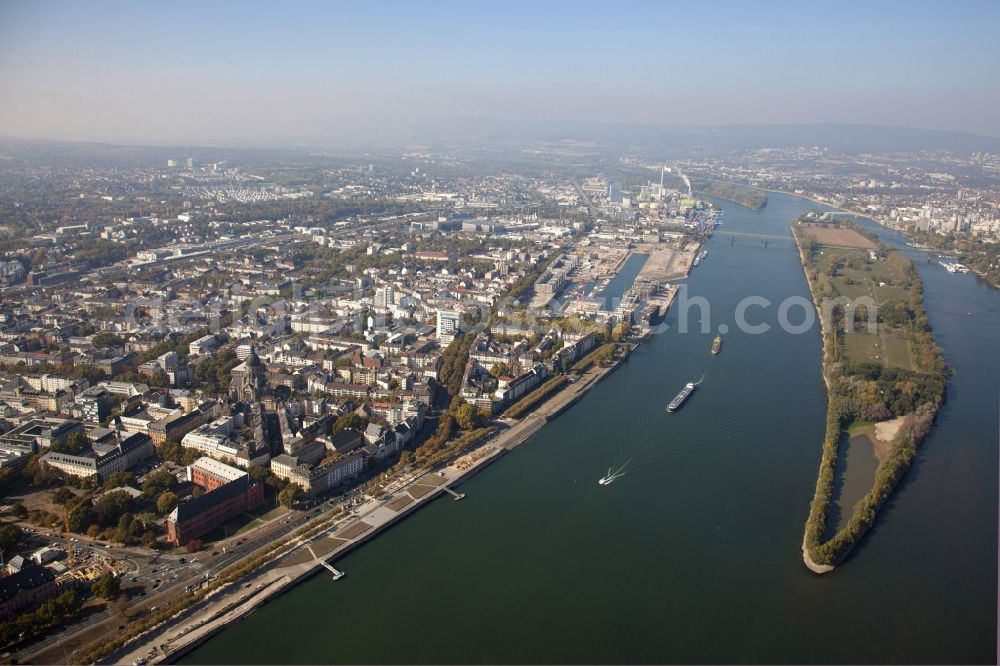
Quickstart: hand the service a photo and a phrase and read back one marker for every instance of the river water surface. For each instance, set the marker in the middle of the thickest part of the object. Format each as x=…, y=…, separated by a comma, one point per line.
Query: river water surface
x=694, y=556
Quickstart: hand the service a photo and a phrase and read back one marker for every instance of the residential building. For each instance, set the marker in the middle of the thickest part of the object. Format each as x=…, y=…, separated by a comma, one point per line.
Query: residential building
x=95, y=404
x=448, y=323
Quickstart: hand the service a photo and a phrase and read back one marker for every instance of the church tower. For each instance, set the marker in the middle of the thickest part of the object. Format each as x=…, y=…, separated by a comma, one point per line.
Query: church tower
x=249, y=379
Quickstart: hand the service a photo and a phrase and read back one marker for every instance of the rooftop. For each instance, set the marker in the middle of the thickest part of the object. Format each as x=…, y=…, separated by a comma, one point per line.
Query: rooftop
x=216, y=468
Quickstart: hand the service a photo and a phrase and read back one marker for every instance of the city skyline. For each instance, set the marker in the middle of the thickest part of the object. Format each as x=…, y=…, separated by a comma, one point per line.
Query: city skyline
x=259, y=74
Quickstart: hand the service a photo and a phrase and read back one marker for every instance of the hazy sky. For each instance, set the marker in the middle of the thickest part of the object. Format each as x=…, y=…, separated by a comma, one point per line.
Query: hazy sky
x=248, y=72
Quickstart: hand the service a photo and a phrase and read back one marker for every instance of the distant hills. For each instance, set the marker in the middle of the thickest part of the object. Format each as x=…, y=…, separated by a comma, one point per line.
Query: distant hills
x=837, y=138
x=638, y=140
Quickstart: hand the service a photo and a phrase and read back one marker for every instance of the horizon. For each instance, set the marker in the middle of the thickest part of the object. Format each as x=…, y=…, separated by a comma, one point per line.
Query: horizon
x=260, y=75
x=580, y=128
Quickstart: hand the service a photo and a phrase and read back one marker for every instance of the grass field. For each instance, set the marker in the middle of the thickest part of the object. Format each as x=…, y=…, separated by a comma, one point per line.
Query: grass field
x=857, y=276
x=897, y=352
x=863, y=348
x=838, y=236
x=889, y=349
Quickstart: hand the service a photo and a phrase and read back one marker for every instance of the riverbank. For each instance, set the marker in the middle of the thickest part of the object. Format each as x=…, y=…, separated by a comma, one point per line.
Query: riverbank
x=737, y=193
x=825, y=461
x=309, y=557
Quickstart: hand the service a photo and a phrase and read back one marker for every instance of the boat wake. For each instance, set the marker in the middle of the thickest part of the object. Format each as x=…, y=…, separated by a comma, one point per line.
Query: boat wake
x=651, y=461
x=613, y=474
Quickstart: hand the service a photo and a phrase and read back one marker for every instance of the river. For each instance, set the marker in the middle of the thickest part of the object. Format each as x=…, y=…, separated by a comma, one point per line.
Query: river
x=694, y=556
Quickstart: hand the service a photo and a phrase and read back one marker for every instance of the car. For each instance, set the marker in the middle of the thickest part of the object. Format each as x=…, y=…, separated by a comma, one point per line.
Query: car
x=135, y=579
x=183, y=561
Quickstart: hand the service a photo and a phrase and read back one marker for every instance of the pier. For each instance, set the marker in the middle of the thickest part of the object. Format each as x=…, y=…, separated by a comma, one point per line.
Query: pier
x=451, y=492
x=337, y=575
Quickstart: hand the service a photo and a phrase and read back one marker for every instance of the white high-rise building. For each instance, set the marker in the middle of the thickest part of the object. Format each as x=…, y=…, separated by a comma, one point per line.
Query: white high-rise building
x=447, y=325
x=385, y=297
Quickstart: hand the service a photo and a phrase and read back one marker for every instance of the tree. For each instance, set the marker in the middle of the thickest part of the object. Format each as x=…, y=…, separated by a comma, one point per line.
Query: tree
x=19, y=511
x=148, y=539
x=349, y=420
x=76, y=443
x=40, y=473
x=120, y=479
x=81, y=518
x=289, y=495
x=166, y=502
x=467, y=416
x=500, y=370
x=194, y=545
x=10, y=537
x=156, y=483
x=128, y=529
x=105, y=339
x=258, y=473
x=63, y=496
x=171, y=451
x=111, y=506
x=189, y=456
x=106, y=587
x=9, y=478
x=604, y=354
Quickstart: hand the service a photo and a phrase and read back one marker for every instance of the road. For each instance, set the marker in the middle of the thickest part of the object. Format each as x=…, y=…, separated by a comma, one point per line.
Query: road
x=155, y=579
x=161, y=578
x=287, y=568
x=591, y=209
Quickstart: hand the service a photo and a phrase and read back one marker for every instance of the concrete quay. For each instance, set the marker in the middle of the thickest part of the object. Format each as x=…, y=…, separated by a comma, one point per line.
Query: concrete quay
x=308, y=557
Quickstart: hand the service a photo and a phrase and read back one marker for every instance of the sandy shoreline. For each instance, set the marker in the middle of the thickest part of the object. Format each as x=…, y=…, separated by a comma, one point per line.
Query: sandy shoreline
x=886, y=431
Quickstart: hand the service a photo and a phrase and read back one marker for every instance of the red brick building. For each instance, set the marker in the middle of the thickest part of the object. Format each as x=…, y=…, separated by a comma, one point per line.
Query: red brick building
x=229, y=492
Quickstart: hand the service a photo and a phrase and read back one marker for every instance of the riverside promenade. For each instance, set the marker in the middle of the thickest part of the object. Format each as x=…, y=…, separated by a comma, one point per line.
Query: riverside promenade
x=305, y=557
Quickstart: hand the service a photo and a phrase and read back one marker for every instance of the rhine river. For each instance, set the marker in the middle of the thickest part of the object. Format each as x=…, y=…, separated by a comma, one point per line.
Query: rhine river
x=694, y=556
